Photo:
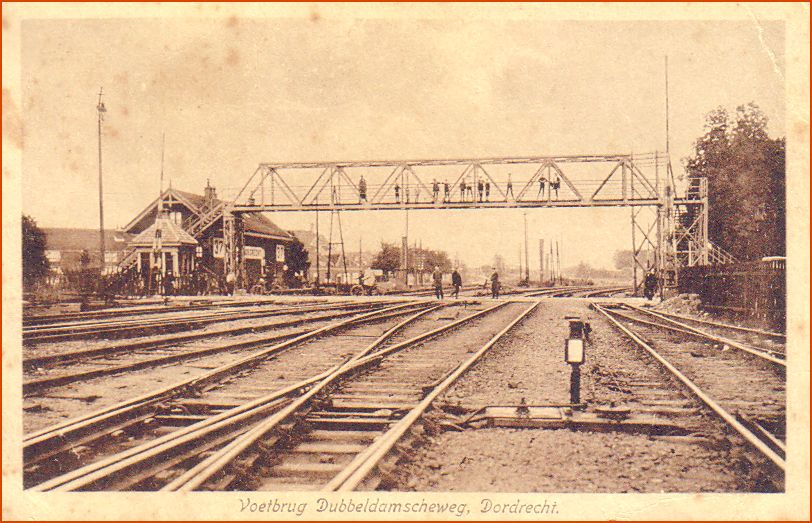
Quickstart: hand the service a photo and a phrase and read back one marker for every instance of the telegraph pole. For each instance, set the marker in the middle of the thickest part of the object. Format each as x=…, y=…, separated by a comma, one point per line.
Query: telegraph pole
x=318, y=260
x=520, y=262
x=526, y=253
x=101, y=110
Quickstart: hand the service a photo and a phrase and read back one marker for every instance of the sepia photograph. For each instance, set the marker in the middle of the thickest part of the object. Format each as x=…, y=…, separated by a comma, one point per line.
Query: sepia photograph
x=406, y=261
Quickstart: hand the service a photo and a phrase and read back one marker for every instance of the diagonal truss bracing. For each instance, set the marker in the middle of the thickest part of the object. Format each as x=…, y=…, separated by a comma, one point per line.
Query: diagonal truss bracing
x=660, y=239
x=612, y=179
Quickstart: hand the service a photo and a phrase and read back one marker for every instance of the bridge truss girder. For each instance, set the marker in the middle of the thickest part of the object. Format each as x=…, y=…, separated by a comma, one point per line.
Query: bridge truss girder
x=623, y=180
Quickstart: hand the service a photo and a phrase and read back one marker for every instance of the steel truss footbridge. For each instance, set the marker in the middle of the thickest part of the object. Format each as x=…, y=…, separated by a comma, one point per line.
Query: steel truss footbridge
x=672, y=226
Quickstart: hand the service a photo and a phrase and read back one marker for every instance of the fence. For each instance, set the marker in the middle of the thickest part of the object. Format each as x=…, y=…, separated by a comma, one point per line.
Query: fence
x=755, y=291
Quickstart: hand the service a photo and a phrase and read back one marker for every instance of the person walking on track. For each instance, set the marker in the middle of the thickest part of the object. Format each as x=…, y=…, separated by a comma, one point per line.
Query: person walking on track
x=456, y=281
x=437, y=276
x=495, y=284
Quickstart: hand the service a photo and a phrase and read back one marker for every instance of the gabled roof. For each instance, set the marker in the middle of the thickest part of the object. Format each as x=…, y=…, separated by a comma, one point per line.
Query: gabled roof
x=69, y=239
x=256, y=224
x=172, y=235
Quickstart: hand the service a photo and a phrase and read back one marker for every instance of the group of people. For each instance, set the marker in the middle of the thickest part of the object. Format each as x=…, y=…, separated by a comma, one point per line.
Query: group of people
x=555, y=185
x=480, y=190
x=456, y=283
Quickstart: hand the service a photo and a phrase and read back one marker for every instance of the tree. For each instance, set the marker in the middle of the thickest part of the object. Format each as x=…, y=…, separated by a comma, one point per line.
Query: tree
x=437, y=259
x=297, y=258
x=35, y=264
x=624, y=259
x=387, y=259
x=745, y=169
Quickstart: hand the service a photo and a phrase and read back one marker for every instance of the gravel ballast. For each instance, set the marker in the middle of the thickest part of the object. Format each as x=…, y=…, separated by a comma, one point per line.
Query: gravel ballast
x=530, y=365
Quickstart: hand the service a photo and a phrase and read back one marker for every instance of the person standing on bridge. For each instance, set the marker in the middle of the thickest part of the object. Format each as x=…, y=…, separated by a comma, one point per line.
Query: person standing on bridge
x=462, y=190
x=435, y=189
x=456, y=281
x=555, y=185
x=397, y=193
x=509, y=188
x=446, y=191
x=542, y=184
x=495, y=284
x=480, y=187
x=487, y=191
x=437, y=276
x=362, y=190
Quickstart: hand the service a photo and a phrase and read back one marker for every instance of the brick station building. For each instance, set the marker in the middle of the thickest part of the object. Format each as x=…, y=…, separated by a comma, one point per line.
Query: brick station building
x=188, y=218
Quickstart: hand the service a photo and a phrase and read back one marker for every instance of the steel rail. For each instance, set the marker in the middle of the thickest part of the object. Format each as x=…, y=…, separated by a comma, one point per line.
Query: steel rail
x=765, y=354
x=358, y=469
x=96, y=471
x=128, y=319
x=766, y=333
x=176, y=339
x=124, y=462
x=607, y=290
x=54, y=435
x=140, y=310
x=168, y=323
x=753, y=440
x=555, y=291
x=196, y=476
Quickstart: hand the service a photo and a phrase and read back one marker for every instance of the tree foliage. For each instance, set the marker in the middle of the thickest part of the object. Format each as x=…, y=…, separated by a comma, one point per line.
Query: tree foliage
x=624, y=259
x=35, y=264
x=387, y=259
x=745, y=169
x=297, y=258
x=432, y=259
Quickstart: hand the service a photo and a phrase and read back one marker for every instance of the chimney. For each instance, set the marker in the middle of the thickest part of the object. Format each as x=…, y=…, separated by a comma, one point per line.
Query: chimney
x=209, y=194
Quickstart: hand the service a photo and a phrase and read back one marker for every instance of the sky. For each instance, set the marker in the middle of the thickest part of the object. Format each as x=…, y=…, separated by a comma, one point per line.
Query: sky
x=232, y=93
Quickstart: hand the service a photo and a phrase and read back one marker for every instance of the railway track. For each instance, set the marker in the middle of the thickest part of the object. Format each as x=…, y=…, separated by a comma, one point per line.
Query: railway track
x=744, y=389
x=204, y=303
x=603, y=292
x=557, y=292
x=430, y=292
x=61, y=368
x=53, y=450
x=58, y=449
x=175, y=459
x=770, y=342
x=760, y=344
x=170, y=322
x=340, y=436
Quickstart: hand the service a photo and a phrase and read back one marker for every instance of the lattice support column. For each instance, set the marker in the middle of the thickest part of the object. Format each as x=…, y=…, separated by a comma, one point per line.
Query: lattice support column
x=234, y=243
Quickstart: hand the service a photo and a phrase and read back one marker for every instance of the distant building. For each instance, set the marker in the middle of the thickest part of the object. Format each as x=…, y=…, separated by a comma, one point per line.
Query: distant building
x=355, y=267
x=64, y=247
